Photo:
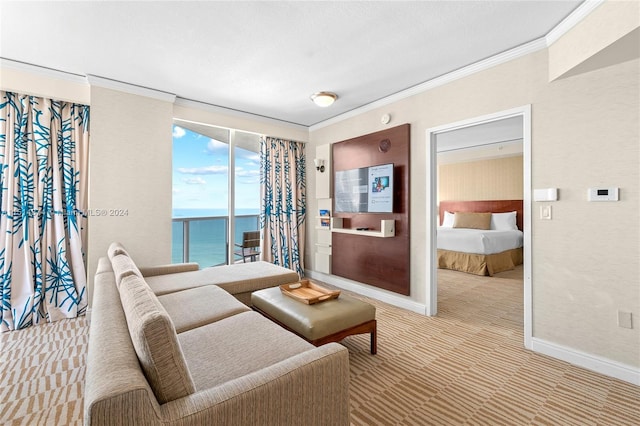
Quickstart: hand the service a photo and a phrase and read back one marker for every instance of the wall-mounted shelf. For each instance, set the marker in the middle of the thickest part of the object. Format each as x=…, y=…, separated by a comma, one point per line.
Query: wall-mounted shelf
x=387, y=229
x=323, y=233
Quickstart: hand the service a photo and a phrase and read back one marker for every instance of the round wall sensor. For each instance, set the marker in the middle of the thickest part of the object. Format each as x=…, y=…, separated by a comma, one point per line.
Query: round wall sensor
x=386, y=118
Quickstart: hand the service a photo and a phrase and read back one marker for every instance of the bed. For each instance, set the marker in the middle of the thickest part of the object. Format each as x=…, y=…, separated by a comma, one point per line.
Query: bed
x=487, y=237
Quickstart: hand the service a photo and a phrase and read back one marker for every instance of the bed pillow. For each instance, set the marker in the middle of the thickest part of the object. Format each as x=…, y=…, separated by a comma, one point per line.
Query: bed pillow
x=447, y=221
x=472, y=220
x=504, y=221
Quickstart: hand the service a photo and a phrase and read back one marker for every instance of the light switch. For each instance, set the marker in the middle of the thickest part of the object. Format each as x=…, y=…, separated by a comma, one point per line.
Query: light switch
x=545, y=212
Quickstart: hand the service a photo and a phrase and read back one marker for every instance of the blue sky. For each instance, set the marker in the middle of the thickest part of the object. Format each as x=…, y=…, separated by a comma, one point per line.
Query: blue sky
x=200, y=173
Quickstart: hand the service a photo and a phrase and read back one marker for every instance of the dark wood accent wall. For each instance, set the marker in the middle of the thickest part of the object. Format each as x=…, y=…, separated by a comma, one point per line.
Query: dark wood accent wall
x=380, y=262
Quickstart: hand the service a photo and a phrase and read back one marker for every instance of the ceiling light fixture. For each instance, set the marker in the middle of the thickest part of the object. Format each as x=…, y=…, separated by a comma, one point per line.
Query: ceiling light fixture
x=324, y=99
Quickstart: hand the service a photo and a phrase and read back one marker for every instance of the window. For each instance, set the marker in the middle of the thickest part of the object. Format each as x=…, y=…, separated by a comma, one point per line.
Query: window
x=202, y=184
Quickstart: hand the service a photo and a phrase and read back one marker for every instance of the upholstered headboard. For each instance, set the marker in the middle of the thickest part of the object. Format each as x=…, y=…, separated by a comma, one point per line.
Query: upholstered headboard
x=493, y=206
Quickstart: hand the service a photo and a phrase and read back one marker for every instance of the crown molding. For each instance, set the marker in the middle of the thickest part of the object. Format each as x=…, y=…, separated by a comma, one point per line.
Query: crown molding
x=572, y=20
x=203, y=106
x=106, y=83
x=509, y=55
x=542, y=43
x=42, y=71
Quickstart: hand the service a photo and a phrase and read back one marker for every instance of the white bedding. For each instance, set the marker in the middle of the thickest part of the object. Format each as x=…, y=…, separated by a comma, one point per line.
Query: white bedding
x=478, y=241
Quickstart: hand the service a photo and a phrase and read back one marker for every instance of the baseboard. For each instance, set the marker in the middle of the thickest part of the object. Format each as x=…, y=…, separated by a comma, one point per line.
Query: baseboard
x=365, y=290
x=600, y=365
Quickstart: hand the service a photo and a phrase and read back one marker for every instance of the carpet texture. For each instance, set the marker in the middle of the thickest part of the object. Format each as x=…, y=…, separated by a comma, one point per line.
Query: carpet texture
x=465, y=366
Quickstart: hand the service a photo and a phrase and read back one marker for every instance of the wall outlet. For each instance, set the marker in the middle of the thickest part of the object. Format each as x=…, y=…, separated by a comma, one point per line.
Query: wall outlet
x=625, y=319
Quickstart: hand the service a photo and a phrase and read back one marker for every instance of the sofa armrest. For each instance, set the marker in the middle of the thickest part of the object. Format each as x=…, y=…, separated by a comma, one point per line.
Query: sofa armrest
x=311, y=387
x=174, y=268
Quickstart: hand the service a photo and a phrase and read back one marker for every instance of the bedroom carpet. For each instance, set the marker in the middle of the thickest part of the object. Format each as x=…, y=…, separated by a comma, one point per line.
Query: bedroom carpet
x=466, y=366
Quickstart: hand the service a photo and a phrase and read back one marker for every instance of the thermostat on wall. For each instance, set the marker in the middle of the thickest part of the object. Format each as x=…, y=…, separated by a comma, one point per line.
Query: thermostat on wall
x=602, y=194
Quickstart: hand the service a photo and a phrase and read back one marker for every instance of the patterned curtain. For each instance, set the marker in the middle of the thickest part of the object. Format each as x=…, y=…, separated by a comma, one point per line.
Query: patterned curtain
x=283, y=190
x=43, y=176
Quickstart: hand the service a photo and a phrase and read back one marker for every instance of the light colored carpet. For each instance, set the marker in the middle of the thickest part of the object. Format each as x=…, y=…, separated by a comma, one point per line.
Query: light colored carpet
x=465, y=366
x=42, y=369
x=468, y=365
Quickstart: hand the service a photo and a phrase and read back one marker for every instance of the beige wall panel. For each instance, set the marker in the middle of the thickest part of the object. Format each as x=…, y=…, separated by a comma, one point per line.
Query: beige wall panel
x=592, y=35
x=495, y=179
x=322, y=179
x=587, y=258
x=130, y=170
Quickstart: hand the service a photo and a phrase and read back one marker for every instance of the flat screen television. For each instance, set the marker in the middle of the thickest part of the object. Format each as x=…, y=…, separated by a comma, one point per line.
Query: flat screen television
x=364, y=190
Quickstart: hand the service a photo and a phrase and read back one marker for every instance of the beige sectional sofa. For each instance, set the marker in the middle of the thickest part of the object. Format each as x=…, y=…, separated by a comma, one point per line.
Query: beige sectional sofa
x=172, y=345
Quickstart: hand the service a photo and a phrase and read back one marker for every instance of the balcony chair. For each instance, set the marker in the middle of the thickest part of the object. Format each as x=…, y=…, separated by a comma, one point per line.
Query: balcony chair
x=250, y=247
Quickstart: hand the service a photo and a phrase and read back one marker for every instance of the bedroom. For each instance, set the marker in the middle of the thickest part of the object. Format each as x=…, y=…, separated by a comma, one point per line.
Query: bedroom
x=480, y=168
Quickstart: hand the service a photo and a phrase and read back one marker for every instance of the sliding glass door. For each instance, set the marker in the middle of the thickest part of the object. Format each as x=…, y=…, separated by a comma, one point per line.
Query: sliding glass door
x=246, y=205
x=210, y=203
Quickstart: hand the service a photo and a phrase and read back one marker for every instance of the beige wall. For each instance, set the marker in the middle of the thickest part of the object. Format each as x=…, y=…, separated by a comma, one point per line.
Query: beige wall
x=494, y=179
x=586, y=261
x=610, y=23
x=130, y=170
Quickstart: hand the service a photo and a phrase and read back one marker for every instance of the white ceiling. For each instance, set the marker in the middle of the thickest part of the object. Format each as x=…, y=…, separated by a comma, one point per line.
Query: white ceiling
x=267, y=58
x=495, y=139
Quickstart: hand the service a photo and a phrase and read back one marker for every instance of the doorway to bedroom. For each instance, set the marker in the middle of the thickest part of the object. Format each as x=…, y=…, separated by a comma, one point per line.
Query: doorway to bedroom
x=477, y=166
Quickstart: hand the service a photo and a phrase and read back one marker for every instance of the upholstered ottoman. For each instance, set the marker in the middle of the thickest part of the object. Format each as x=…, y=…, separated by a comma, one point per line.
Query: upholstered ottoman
x=320, y=323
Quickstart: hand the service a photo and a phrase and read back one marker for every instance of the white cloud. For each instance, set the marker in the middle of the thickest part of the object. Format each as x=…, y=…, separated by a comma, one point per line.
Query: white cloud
x=178, y=132
x=195, y=181
x=247, y=173
x=209, y=170
x=216, y=147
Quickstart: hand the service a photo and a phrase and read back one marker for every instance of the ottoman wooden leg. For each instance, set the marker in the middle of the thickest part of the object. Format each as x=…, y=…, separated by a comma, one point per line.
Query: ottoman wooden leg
x=374, y=338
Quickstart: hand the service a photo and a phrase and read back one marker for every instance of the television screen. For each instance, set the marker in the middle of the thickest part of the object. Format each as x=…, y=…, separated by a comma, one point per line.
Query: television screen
x=364, y=190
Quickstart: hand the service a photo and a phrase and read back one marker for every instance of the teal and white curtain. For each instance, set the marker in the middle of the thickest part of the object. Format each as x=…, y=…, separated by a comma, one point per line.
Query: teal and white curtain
x=283, y=190
x=43, y=176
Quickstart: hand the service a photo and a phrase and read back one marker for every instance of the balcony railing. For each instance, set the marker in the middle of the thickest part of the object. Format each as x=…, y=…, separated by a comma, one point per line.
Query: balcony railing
x=206, y=239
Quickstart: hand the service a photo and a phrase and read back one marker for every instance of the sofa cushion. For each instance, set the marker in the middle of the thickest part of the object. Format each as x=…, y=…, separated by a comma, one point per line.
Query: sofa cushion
x=200, y=306
x=115, y=249
x=236, y=346
x=238, y=278
x=104, y=265
x=155, y=341
x=123, y=266
x=171, y=268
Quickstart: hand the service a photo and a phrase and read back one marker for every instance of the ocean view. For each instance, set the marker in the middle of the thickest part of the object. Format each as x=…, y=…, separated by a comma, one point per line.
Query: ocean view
x=208, y=237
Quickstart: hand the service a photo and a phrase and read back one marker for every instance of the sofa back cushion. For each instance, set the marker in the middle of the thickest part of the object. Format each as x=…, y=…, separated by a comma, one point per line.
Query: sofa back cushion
x=115, y=249
x=124, y=266
x=155, y=341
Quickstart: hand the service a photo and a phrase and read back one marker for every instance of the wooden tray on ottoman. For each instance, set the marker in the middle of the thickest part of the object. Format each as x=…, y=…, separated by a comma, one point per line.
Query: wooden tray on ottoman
x=307, y=292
